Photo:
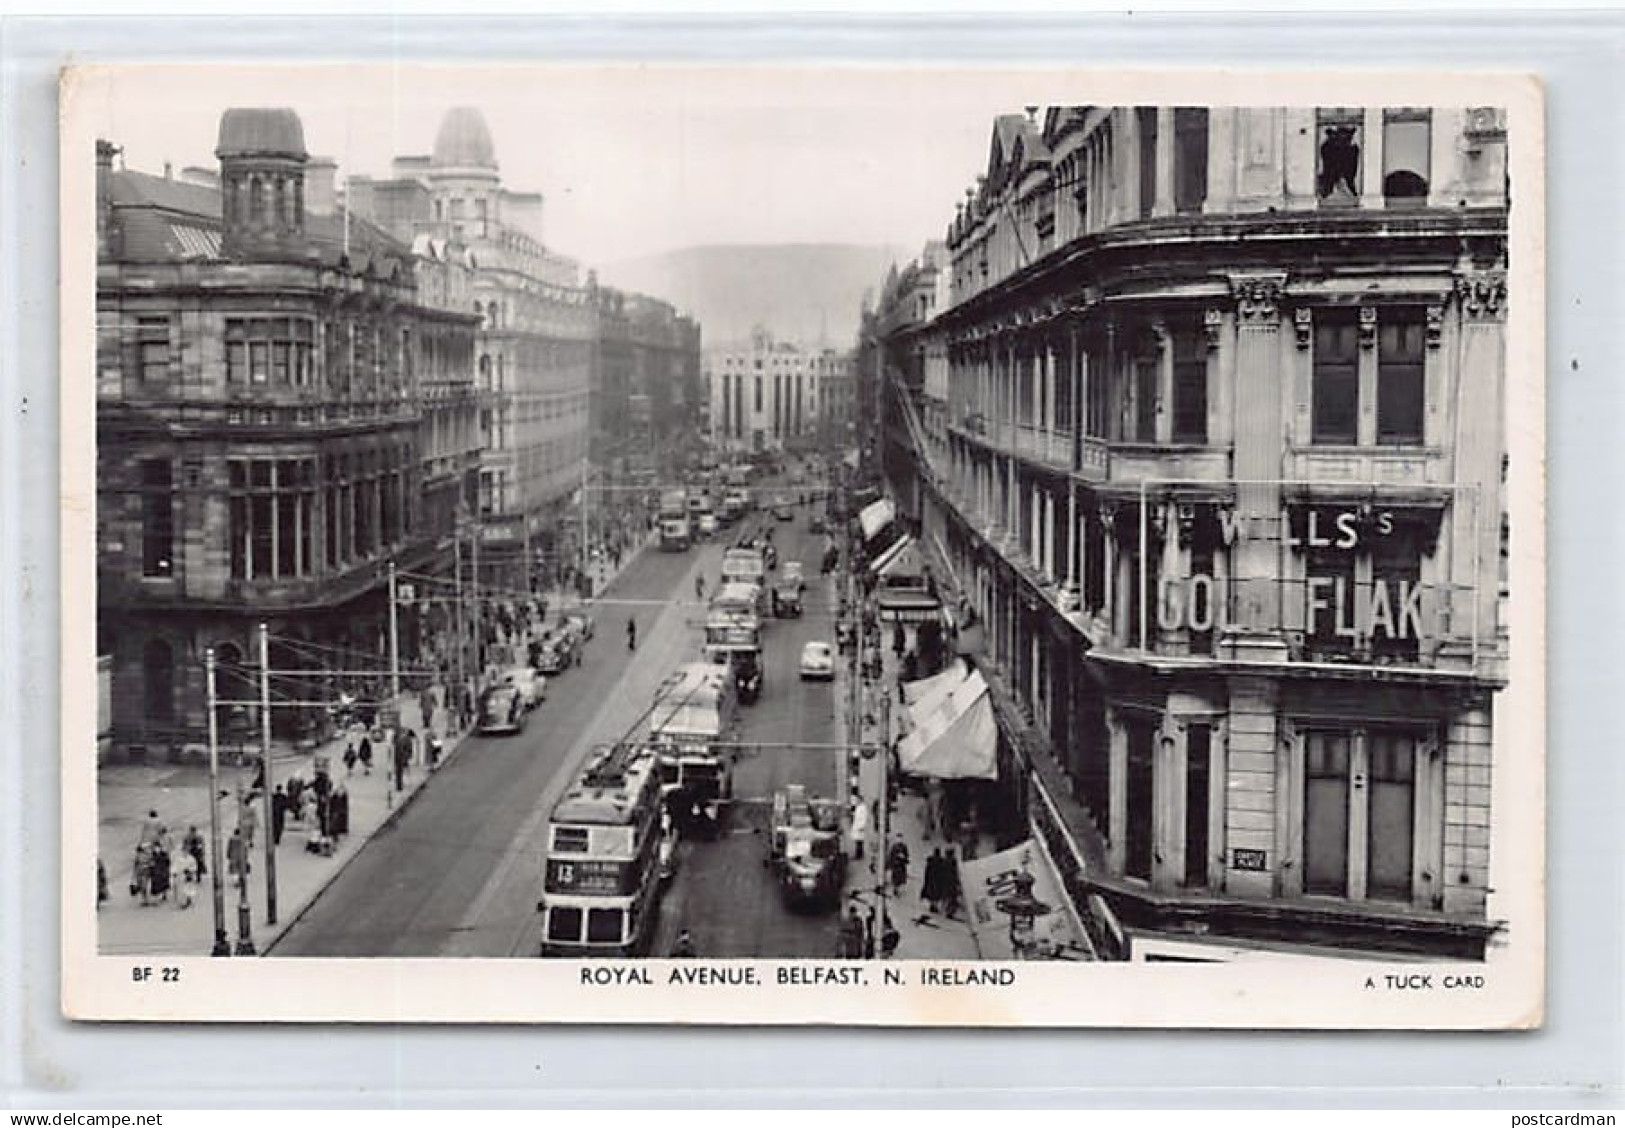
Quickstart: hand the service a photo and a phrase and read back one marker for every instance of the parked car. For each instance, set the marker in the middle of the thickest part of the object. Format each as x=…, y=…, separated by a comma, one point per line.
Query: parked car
x=817, y=662
x=578, y=623
x=502, y=709
x=555, y=654
x=531, y=685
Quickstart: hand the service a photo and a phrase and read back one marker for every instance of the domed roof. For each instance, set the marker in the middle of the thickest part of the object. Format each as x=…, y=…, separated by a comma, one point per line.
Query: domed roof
x=260, y=131
x=464, y=141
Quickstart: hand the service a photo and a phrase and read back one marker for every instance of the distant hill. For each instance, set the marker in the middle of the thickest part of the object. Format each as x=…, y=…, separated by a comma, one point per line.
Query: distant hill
x=803, y=293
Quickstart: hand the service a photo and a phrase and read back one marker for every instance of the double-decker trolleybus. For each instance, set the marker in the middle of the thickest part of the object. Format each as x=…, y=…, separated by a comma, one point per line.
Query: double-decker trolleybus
x=606, y=842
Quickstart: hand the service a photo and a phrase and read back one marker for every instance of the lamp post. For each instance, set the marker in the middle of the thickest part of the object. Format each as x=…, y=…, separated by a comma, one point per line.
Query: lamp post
x=268, y=783
x=1023, y=909
x=221, y=946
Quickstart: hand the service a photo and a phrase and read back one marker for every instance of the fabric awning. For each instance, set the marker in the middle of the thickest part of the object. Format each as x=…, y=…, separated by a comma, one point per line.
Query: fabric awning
x=957, y=738
x=923, y=693
x=879, y=564
x=875, y=517
x=902, y=561
x=908, y=606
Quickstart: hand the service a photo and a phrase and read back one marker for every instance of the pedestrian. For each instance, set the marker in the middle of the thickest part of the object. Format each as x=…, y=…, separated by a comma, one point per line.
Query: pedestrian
x=631, y=634
x=405, y=738
x=151, y=829
x=338, y=813
x=684, y=948
x=364, y=754
x=897, y=865
x=248, y=821
x=931, y=887
x=101, y=883
x=349, y=757
x=186, y=880
x=699, y=588
x=951, y=889
x=279, y=814
x=237, y=862
x=852, y=933
x=193, y=845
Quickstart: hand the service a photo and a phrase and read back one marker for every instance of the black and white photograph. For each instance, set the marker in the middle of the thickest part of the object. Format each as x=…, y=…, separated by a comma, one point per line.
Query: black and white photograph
x=779, y=545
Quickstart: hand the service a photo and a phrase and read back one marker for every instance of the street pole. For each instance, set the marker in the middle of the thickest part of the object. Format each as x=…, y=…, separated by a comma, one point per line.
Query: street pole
x=394, y=638
x=585, y=555
x=265, y=754
x=459, y=611
x=245, y=933
x=474, y=584
x=221, y=946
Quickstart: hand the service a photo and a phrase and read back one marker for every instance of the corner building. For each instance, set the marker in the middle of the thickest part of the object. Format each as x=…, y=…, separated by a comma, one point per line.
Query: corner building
x=1220, y=470
x=285, y=406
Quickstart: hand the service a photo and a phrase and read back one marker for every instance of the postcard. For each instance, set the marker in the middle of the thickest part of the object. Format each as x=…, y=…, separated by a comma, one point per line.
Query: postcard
x=907, y=546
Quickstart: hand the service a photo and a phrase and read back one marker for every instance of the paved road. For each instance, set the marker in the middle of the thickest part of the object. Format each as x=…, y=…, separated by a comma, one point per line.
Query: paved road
x=456, y=874
x=723, y=893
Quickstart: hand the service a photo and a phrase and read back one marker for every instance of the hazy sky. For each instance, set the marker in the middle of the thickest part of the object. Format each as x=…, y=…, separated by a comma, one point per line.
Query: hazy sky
x=631, y=161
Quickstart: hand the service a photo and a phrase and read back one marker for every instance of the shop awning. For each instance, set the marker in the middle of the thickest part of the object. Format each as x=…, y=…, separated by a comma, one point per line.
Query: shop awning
x=875, y=517
x=889, y=557
x=957, y=738
x=924, y=694
x=901, y=561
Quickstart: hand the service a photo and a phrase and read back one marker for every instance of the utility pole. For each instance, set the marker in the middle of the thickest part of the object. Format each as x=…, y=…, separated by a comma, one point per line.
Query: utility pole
x=458, y=609
x=245, y=933
x=394, y=638
x=479, y=618
x=265, y=760
x=586, y=560
x=221, y=946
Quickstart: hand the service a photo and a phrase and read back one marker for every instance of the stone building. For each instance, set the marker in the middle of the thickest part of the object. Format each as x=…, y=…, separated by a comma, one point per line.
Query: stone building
x=1217, y=468
x=264, y=448
x=536, y=344
x=769, y=394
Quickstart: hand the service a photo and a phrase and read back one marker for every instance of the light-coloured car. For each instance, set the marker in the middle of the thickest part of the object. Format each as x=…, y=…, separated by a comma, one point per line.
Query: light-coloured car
x=792, y=572
x=817, y=662
x=708, y=524
x=532, y=686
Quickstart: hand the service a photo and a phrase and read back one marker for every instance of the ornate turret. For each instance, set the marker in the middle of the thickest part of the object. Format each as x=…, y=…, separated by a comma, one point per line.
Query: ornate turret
x=262, y=182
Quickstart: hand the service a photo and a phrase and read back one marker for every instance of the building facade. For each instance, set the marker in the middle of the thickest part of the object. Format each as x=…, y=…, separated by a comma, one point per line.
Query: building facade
x=536, y=344
x=285, y=399
x=1212, y=447
x=772, y=395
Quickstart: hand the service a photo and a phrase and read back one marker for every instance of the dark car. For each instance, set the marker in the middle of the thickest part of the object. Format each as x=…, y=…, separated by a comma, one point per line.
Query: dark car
x=787, y=599
x=556, y=654
x=502, y=709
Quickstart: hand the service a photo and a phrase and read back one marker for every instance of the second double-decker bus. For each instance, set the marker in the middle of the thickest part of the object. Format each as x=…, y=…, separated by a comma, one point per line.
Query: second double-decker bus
x=606, y=840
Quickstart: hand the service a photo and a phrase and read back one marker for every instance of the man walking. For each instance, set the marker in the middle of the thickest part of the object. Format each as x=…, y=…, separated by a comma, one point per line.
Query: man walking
x=631, y=634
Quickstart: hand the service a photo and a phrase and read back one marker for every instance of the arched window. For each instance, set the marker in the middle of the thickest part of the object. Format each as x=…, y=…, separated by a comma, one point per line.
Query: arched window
x=158, y=675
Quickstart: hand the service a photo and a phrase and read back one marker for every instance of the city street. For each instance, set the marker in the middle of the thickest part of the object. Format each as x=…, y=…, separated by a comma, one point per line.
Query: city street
x=456, y=874
x=724, y=894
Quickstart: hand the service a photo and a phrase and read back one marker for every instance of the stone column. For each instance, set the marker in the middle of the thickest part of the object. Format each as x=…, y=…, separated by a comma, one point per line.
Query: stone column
x=1221, y=161
x=1117, y=820
x=1475, y=513
x=1255, y=631
x=1165, y=383
x=1164, y=202
x=1371, y=158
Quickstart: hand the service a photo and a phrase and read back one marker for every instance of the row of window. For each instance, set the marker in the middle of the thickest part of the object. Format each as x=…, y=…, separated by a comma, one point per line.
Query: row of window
x=1396, y=388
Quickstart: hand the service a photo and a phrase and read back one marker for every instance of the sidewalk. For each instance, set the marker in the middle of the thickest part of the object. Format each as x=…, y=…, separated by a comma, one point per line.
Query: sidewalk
x=923, y=934
x=180, y=795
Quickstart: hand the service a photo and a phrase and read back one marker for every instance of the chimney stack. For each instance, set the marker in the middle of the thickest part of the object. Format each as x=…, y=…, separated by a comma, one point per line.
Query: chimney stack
x=321, y=186
x=105, y=235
